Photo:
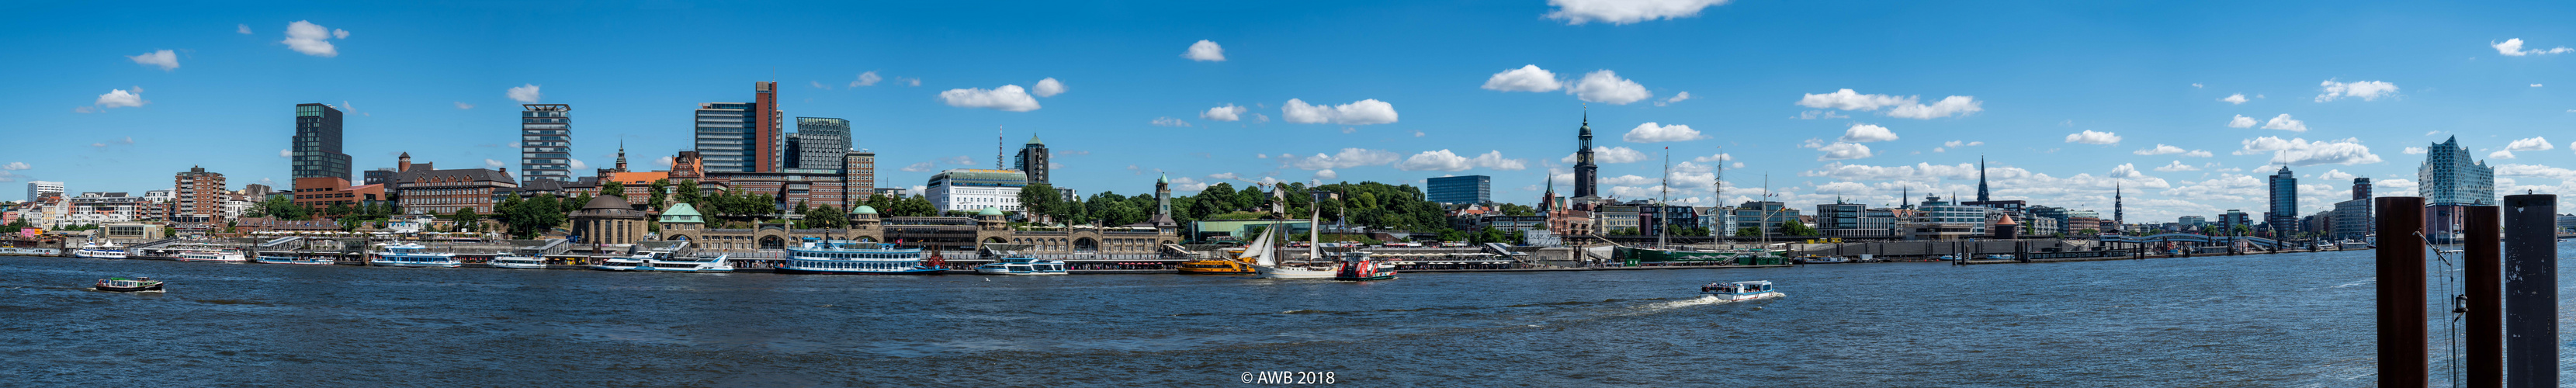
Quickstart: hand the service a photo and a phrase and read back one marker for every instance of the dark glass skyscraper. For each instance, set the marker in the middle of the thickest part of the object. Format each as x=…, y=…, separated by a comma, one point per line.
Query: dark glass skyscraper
x=1461, y=189
x=316, y=149
x=545, y=143
x=1033, y=160
x=820, y=143
x=2283, y=217
x=740, y=136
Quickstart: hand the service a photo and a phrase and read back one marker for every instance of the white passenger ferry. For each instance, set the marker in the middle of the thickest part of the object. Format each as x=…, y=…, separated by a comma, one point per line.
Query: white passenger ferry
x=1023, y=265
x=873, y=258
x=518, y=262
x=413, y=255
x=99, y=251
x=213, y=256
x=264, y=259
x=1741, y=291
x=665, y=262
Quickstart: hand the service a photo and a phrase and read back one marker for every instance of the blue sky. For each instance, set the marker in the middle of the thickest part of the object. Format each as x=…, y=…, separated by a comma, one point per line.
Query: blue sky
x=2065, y=100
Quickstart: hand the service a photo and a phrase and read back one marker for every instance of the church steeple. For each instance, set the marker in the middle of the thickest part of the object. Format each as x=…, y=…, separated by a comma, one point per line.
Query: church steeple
x=1981, y=180
x=621, y=156
x=1586, y=175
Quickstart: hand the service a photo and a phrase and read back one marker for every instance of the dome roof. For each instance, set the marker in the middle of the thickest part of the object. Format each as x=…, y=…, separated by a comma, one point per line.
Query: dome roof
x=864, y=209
x=611, y=201
x=990, y=211
x=679, y=209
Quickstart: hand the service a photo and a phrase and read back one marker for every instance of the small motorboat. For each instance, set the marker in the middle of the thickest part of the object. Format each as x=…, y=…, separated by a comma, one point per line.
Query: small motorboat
x=1741, y=291
x=1999, y=257
x=1823, y=260
x=1023, y=265
x=120, y=284
x=1948, y=258
x=1357, y=266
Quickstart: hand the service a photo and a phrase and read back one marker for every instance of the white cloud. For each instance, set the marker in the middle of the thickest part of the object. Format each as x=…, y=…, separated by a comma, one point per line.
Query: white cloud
x=1443, y=160
x=2301, y=152
x=1188, y=184
x=1205, y=50
x=1956, y=143
x=922, y=167
x=1008, y=98
x=1616, y=12
x=1229, y=112
x=2240, y=122
x=1604, y=86
x=1842, y=151
x=2420, y=150
x=244, y=29
x=2500, y=154
x=2161, y=149
x=1864, y=133
x=912, y=81
x=2177, y=166
x=2531, y=144
x=867, y=79
x=311, y=39
x=463, y=105
x=666, y=161
x=1677, y=97
x=578, y=165
x=2197, y=154
x=119, y=98
x=1363, y=112
x=2126, y=170
x=164, y=58
x=1651, y=133
x=1714, y=158
x=1349, y=157
x=2238, y=98
x=2283, y=122
x=339, y=33
x=2534, y=170
x=1948, y=106
x=1606, y=155
x=489, y=163
x=1821, y=114
x=13, y=166
x=1327, y=174
x=1170, y=122
x=525, y=93
x=1528, y=78
x=2092, y=137
x=820, y=85
x=1905, y=107
x=2365, y=90
x=2513, y=48
x=1224, y=176
x=1048, y=88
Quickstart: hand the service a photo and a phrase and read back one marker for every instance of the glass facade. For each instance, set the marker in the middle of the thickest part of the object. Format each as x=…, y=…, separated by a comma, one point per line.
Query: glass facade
x=819, y=143
x=2283, y=217
x=724, y=137
x=1461, y=189
x=315, y=151
x=545, y=142
x=2449, y=177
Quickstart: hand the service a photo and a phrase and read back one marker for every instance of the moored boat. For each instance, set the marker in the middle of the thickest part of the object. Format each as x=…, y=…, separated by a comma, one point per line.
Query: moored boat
x=868, y=258
x=120, y=284
x=1823, y=260
x=213, y=256
x=1022, y=265
x=413, y=255
x=1741, y=291
x=1358, y=266
x=265, y=259
x=518, y=262
x=664, y=262
x=99, y=251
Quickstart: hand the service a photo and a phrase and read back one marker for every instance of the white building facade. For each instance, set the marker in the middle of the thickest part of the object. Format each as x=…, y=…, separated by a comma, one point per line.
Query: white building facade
x=975, y=189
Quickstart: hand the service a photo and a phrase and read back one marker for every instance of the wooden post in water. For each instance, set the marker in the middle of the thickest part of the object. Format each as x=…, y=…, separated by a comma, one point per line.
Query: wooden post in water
x=2485, y=297
x=2402, y=343
x=2530, y=290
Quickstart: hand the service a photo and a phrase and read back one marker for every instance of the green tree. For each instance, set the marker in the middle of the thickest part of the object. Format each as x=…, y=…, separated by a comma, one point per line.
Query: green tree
x=1795, y=228
x=1518, y=210
x=613, y=188
x=688, y=194
x=828, y=216
x=466, y=217
x=660, y=195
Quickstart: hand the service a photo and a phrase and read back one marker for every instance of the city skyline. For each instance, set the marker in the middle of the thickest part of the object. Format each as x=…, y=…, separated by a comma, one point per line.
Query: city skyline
x=2066, y=101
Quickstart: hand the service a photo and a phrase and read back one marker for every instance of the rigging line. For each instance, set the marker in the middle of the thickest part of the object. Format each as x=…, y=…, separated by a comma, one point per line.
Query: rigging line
x=2459, y=309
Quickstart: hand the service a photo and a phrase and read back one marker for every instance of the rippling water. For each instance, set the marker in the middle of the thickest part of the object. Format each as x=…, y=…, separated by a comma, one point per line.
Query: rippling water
x=2276, y=320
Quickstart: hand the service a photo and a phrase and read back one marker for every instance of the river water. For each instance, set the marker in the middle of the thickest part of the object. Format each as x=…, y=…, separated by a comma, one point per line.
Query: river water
x=2271, y=320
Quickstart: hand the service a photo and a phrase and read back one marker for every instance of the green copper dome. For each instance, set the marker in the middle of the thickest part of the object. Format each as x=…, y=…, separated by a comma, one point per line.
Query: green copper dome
x=864, y=209
x=990, y=211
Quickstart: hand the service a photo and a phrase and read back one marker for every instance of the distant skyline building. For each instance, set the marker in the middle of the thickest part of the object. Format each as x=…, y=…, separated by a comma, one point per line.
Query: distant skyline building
x=545, y=142
x=742, y=136
x=819, y=143
x=969, y=189
x=2283, y=216
x=1470, y=189
x=315, y=151
x=1033, y=160
x=2360, y=188
x=1586, y=174
x=2450, y=181
x=39, y=189
x=199, y=199
x=769, y=138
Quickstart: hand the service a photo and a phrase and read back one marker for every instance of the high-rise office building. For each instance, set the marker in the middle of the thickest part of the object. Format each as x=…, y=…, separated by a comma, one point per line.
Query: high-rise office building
x=545, y=142
x=1586, y=174
x=40, y=189
x=2283, y=216
x=2360, y=188
x=1033, y=160
x=200, y=198
x=859, y=171
x=819, y=143
x=316, y=149
x=1461, y=189
x=740, y=136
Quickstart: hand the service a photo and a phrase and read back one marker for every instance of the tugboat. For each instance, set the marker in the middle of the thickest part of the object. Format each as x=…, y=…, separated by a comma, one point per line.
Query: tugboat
x=1358, y=266
x=1741, y=291
x=119, y=284
x=95, y=250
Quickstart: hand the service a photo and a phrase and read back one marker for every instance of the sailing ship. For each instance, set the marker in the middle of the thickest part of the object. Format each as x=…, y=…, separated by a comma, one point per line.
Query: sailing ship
x=1352, y=265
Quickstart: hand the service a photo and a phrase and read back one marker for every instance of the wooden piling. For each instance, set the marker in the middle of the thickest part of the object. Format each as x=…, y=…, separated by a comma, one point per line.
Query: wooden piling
x=2402, y=345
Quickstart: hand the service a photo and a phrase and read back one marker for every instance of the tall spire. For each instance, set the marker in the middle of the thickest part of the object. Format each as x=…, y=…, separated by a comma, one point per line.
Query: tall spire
x=2118, y=215
x=1981, y=179
x=621, y=155
x=997, y=148
x=1585, y=173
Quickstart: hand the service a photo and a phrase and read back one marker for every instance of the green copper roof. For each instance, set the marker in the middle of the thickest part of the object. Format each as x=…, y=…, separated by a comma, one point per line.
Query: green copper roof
x=1167, y=178
x=990, y=211
x=864, y=209
x=681, y=209
x=1033, y=139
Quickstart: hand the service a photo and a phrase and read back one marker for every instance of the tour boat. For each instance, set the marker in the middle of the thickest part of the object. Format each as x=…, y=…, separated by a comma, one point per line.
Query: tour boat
x=518, y=262
x=99, y=251
x=875, y=258
x=1824, y=260
x=1356, y=266
x=119, y=284
x=1022, y=265
x=628, y=263
x=1741, y=291
x=213, y=256
x=413, y=255
x=1240, y=264
x=664, y=262
x=296, y=260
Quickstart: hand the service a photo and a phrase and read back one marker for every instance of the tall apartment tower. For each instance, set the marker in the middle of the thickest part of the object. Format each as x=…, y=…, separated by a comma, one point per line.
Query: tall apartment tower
x=199, y=196
x=1586, y=174
x=2360, y=188
x=859, y=170
x=2283, y=216
x=316, y=148
x=819, y=143
x=545, y=142
x=1033, y=160
x=769, y=139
